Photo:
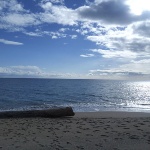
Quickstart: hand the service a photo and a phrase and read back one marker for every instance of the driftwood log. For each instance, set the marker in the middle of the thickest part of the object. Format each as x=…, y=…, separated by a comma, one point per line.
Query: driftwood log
x=48, y=113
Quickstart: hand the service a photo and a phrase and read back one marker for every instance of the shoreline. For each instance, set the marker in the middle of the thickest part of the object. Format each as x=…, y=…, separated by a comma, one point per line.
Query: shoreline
x=84, y=131
x=113, y=114
x=97, y=114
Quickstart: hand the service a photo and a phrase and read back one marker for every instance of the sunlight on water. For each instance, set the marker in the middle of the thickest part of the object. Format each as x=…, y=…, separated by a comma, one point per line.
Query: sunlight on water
x=139, y=95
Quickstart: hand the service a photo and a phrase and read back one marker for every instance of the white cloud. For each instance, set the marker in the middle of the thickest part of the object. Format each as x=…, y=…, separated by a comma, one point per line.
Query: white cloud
x=53, y=34
x=14, y=17
x=138, y=66
x=121, y=39
x=17, y=19
x=133, y=70
x=10, y=42
x=11, y=5
x=36, y=34
x=73, y=36
x=87, y=55
x=53, y=1
x=58, y=14
x=115, y=53
x=54, y=11
x=117, y=74
x=63, y=29
x=20, y=71
x=46, y=6
x=143, y=61
x=56, y=35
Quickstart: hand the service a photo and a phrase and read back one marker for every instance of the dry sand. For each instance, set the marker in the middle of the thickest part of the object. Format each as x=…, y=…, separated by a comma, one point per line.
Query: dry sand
x=89, y=131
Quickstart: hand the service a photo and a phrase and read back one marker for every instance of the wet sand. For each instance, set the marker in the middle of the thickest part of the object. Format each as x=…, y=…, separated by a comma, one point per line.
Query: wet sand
x=89, y=131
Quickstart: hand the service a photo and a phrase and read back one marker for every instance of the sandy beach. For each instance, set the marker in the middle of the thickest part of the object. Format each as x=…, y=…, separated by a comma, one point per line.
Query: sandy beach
x=96, y=131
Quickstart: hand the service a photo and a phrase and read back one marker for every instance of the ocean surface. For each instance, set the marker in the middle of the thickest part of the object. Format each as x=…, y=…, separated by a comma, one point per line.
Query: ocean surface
x=81, y=95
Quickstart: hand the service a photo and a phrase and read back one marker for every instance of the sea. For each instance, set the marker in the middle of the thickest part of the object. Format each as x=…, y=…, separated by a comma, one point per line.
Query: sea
x=83, y=95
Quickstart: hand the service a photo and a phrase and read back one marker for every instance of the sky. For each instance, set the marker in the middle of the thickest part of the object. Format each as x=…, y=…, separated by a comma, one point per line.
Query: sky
x=89, y=39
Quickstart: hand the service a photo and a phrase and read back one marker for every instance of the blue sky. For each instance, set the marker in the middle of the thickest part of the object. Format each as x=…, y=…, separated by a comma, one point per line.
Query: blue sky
x=95, y=39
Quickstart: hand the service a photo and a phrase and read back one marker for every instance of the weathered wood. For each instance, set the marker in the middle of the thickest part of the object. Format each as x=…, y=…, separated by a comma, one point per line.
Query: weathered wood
x=48, y=113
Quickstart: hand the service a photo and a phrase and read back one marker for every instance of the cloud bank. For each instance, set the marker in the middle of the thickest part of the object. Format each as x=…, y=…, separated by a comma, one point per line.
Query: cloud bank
x=33, y=72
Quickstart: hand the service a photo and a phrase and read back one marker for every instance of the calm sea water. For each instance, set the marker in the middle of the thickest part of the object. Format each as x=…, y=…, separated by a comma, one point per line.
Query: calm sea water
x=82, y=95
